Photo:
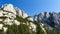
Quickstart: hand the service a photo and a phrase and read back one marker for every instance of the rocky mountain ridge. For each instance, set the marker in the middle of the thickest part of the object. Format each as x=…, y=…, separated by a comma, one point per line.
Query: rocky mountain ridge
x=9, y=15
x=51, y=19
x=15, y=21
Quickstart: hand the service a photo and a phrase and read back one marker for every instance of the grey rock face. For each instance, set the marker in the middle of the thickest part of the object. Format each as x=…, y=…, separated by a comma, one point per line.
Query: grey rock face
x=49, y=18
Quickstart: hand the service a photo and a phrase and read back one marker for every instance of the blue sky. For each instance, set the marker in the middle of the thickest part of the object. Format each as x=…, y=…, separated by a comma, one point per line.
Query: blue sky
x=32, y=7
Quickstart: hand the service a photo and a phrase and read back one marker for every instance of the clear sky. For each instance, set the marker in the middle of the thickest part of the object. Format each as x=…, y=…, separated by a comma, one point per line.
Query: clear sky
x=32, y=7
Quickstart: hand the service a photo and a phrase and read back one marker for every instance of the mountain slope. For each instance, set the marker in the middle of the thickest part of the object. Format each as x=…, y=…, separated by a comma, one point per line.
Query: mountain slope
x=15, y=21
x=50, y=21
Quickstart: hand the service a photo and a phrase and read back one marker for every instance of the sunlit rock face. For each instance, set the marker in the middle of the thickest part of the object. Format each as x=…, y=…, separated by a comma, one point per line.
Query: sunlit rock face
x=9, y=7
x=5, y=29
x=21, y=13
x=16, y=22
x=31, y=19
x=1, y=26
x=9, y=17
x=10, y=12
x=33, y=26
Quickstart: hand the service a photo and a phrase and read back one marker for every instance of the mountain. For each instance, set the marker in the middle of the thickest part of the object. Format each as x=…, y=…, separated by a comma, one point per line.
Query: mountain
x=50, y=21
x=13, y=20
x=50, y=18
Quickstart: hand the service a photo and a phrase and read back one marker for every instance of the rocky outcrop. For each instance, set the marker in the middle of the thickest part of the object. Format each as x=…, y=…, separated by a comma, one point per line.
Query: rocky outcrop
x=51, y=19
x=15, y=21
x=13, y=16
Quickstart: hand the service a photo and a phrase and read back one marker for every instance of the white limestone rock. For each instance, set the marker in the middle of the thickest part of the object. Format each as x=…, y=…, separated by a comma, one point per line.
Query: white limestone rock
x=10, y=12
x=33, y=26
x=1, y=26
x=21, y=13
x=1, y=12
x=16, y=22
x=7, y=21
x=9, y=7
x=5, y=29
x=1, y=19
x=30, y=18
x=25, y=15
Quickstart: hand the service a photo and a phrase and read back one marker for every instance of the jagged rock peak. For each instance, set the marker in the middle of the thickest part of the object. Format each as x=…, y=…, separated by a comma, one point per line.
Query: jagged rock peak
x=9, y=7
x=50, y=18
x=11, y=15
x=15, y=10
x=9, y=12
